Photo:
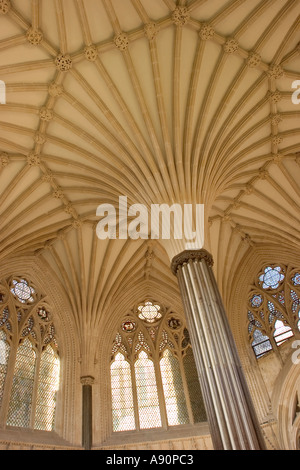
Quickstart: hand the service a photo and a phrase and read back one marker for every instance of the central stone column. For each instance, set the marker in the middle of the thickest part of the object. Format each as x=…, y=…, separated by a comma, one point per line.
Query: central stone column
x=231, y=415
x=87, y=412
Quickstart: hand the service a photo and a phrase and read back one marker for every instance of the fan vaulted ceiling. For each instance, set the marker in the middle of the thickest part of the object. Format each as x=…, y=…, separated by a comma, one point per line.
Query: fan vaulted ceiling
x=158, y=100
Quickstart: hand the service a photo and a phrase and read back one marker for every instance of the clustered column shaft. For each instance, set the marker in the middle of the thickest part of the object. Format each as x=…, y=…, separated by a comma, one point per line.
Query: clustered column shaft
x=230, y=412
x=87, y=425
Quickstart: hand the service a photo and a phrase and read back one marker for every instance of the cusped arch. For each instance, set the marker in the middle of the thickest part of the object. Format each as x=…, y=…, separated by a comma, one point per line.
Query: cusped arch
x=242, y=280
x=35, y=269
x=268, y=407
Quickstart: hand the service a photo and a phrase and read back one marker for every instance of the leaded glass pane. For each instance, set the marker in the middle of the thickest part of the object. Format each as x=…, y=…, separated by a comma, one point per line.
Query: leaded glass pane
x=5, y=319
x=173, y=390
x=271, y=278
x=261, y=343
x=148, y=405
x=4, y=355
x=193, y=384
x=22, y=387
x=48, y=385
x=122, y=398
x=23, y=291
x=256, y=301
x=282, y=332
x=296, y=279
x=149, y=312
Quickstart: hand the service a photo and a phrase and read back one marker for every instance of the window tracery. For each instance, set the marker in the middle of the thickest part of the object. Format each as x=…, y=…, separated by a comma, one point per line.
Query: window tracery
x=274, y=308
x=154, y=382
x=29, y=357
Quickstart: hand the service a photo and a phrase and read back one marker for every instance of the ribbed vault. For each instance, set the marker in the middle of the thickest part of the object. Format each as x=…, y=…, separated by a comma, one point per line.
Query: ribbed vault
x=160, y=101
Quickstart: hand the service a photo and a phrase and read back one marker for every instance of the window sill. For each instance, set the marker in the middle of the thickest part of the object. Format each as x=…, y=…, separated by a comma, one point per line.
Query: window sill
x=157, y=434
x=21, y=437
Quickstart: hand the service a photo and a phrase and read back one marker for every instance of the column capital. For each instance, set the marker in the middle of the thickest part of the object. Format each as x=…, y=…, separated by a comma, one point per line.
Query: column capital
x=87, y=380
x=193, y=255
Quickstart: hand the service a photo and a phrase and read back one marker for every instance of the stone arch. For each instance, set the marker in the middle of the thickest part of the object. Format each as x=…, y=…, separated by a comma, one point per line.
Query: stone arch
x=270, y=409
x=45, y=280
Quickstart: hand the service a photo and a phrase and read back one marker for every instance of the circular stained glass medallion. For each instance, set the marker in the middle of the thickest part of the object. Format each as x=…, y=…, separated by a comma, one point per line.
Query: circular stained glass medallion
x=296, y=279
x=256, y=300
x=128, y=326
x=174, y=323
x=271, y=278
x=43, y=314
x=22, y=291
x=149, y=312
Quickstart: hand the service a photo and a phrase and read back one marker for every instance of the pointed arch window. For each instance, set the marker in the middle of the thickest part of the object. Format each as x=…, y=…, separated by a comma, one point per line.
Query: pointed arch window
x=151, y=385
x=147, y=396
x=47, y=387
x=22, y=387
x=122, y=397
x=29, y=357
x=274, y=308
x=173, y=389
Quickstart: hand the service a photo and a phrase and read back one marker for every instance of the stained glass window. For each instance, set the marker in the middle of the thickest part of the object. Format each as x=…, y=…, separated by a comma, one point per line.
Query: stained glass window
x=296, y=279
x=128, y=325
x=147, y=397
x=256, y=301
x=173, y=390
x=261, y=343
x=4, y=319
x=154, y=382
x=195, y=396
x=282, y=332
x=22, y=388
x=122, y=398
x=273, y=308
x=4, y=355
x=23, y=291
x=149, y=312
x=48, y=384
x=271, y=278
x=34, y=366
